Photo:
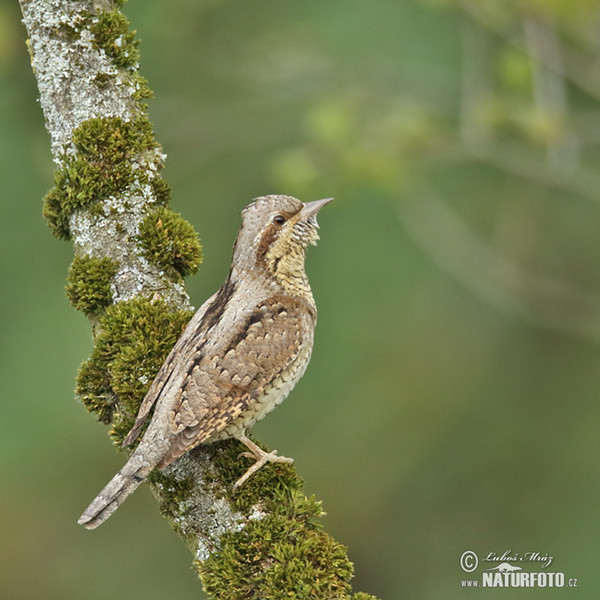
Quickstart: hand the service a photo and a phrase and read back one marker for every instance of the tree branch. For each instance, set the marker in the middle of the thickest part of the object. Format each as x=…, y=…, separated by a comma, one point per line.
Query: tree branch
x=131, y=254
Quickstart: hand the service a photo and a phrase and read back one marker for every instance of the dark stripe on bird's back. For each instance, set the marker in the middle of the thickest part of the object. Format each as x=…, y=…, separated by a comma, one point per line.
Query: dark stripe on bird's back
x=215, y=311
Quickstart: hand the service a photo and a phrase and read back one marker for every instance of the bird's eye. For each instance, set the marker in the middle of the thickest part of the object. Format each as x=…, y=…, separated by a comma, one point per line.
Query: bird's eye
x=279, y=220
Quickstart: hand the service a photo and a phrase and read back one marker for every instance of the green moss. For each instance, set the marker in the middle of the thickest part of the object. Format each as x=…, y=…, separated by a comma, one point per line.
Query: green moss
x=168, y=241
x=93, y=388
x=54, y=210
x=229, y=467
x=73, y=29
x=88, y=287
x=105, y=148
x=101, y=168
x=279, y=559
x=113, y=139
x=142, y=90
x=363, y=596
x=173, y=492
x=111, y=34
x=162, y=191
x=279, y=556
x=102, y=80
x=133, y=340
x=284, y=554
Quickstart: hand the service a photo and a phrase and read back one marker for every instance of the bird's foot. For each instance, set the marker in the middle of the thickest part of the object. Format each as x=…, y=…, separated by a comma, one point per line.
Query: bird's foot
x=261, y=457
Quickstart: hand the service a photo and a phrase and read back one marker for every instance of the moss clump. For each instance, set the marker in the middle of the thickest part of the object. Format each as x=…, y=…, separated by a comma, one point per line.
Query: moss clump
x=54, y=210
x=168, y=241
x=112, y=34
x=101, y=168
x=88, y=287
x=281, y=555
x=363, y=596
x=133, y=340
x=93, y=387
x=300, y=564
x=108, y=140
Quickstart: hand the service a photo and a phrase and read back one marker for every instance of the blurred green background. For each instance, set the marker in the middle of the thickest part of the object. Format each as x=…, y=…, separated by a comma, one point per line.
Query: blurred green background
x=452, y=401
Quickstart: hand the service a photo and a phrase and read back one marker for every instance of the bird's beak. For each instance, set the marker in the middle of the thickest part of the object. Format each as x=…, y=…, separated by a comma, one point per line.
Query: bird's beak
x=310, y=209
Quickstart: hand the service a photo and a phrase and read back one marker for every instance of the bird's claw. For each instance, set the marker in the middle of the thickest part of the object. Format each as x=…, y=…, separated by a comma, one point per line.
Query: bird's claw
x=261, y=457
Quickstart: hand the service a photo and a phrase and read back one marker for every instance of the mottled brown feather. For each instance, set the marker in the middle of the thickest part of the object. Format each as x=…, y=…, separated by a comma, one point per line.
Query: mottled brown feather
x=189, y=343
x=222, y=386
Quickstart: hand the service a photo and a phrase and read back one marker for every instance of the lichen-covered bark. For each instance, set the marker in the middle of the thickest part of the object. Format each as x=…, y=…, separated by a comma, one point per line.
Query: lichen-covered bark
x=131, y=254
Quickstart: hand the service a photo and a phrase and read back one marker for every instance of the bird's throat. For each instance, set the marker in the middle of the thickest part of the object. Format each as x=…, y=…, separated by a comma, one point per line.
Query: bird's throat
x=288, y=271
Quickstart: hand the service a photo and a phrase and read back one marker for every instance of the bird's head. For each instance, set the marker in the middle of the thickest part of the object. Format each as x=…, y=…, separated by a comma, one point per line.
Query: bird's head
x=273, y=237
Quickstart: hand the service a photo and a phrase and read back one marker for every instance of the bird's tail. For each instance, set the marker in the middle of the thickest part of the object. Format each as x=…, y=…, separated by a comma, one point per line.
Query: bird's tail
x=116, y=491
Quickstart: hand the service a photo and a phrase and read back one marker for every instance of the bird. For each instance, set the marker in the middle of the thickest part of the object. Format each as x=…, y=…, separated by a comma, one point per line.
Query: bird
x=239, y=356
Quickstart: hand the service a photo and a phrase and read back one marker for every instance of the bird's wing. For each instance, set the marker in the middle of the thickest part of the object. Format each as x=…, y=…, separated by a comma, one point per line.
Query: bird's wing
x=191, y=336
x=222, y=385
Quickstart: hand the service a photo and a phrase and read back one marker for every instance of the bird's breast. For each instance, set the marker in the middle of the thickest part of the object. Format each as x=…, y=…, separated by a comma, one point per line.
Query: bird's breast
x=271, y=396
